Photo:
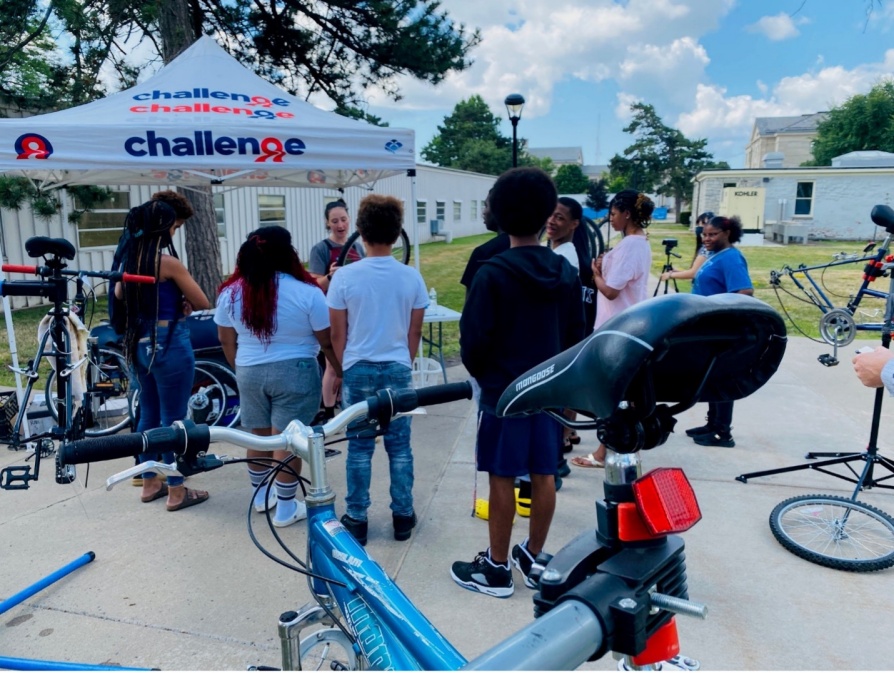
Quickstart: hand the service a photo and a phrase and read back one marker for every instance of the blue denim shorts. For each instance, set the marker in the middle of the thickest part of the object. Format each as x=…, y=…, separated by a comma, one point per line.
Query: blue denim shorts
x=514, y=447
x=273, y=394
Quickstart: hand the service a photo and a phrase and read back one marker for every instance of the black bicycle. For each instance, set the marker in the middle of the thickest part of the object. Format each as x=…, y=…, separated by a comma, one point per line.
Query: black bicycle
x=74, y=417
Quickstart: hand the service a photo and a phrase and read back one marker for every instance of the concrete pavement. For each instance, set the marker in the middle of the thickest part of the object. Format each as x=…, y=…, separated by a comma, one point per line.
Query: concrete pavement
x=189, y=591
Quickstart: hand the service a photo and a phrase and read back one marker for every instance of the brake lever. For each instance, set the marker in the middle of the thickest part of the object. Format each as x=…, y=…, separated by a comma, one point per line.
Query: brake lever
x=167, y=469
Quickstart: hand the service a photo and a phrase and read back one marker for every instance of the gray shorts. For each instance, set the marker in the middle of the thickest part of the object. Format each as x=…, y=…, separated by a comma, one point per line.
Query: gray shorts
x=273, y=394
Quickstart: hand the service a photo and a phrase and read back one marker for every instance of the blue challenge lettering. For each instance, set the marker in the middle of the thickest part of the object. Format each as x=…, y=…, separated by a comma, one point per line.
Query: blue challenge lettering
x=203, y=143
x=369, y=636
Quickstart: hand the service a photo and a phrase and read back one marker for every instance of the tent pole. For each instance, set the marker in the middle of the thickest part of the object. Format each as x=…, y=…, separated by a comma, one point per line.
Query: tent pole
x=7, y=314
x=412, y=173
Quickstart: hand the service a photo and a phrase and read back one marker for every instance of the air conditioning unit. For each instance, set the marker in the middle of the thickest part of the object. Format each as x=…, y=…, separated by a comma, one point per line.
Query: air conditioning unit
x=437, y=227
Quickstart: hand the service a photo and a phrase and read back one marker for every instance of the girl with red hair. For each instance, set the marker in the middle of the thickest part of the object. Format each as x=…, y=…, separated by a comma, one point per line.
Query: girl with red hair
x=272, y=321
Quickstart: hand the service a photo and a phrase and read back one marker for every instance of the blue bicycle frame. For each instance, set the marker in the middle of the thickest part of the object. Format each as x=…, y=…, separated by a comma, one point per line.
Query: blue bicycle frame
x=377, y=610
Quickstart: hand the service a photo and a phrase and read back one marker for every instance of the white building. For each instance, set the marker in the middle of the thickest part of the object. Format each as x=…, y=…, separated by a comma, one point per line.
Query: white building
x=453, y=198
x=822, y=202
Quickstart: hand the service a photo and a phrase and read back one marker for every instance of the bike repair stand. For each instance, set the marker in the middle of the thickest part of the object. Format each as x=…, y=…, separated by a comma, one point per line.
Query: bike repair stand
x=668, y=252
x=866, y=478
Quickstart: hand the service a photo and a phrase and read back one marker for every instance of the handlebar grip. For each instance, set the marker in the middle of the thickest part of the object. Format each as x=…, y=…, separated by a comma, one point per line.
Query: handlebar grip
x=447, y=392
x=101, y=448
x=19, y=268
x=134, y=278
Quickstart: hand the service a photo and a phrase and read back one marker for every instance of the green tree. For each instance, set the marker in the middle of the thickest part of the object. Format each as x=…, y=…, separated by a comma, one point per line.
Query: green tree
x=597, y=194
x=661, y=159
x=862, y=122
x=332, y=47
x=470, y=140
x=570, y=179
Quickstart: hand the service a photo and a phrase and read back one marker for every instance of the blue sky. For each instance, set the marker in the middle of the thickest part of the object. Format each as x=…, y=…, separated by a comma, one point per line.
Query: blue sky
x=708, y=66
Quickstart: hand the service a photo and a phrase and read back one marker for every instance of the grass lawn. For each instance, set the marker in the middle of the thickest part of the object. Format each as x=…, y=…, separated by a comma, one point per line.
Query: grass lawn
x=443, y=264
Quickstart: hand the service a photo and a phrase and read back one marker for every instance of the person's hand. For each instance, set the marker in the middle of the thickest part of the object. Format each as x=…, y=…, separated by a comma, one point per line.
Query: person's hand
x=596, y=266
x=665, y=275
x=188, y=308
x=868, y=366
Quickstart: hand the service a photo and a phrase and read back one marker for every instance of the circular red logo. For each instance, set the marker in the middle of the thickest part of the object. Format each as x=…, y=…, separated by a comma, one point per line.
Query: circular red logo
x=33, y=146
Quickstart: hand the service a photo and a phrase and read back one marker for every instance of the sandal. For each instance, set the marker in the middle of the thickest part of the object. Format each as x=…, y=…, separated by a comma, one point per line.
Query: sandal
x=587, y=461
x=160, y=493
x=192, y=497
x=574, y=438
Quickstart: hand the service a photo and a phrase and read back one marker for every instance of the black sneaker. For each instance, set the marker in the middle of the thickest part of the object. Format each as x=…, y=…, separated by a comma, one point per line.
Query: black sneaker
x=403, y=526
x=484, y=576
x=356, y=528
x=700, y=430
x=715, y=439
x=523, y=561
x=563, y=470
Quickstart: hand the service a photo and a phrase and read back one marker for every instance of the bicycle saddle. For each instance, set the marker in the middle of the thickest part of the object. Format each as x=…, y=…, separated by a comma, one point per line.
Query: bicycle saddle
x=41, y=246
x=883, y=216
x=679, y=348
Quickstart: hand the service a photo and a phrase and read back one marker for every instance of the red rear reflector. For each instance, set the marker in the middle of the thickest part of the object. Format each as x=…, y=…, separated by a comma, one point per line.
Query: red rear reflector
x=666, y=501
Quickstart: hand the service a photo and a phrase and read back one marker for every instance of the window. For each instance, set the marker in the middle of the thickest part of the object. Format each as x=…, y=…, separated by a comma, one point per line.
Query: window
x=473, y=210
x=440, y=209
x=272, y=209
x=457, y=211
x=804, y=199
x=220, y=215
x=103, y=224
x=421, y=211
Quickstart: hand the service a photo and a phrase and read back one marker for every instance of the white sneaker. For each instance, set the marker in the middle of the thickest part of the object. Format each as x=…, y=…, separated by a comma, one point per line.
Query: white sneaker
x=298, y=514
x=677, y=663
x=262, y=505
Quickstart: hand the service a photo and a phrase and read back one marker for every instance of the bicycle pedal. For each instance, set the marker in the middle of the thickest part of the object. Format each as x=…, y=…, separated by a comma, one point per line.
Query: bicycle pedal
x=16, y=477
x=827, y=360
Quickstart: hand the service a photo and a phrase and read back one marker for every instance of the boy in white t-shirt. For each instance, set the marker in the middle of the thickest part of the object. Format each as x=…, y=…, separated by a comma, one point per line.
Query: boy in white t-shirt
x=376, y=307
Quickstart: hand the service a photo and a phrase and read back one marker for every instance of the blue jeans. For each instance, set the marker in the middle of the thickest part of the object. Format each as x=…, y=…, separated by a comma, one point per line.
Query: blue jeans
x=165, y=384
x=360, y=381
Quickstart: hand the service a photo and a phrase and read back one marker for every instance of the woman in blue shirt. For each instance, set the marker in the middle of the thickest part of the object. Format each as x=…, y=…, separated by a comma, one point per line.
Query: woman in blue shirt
x=725, y=270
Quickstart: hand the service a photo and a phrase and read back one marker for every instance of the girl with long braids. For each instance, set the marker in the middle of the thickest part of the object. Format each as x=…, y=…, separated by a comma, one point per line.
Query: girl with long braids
x=156, y=340
x=621, y=275
x=272, y=322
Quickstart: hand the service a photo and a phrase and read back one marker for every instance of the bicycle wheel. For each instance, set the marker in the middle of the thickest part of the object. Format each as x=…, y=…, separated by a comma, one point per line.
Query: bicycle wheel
x=208, y=397
x=111, y=398
x=835, y=532
x=327, y=649
x=594, y=237
x=400, y=250
x=230, y=411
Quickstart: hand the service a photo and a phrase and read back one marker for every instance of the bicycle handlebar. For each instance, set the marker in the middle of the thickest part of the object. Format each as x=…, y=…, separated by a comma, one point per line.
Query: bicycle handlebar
x=45, y=271
x=188, y=440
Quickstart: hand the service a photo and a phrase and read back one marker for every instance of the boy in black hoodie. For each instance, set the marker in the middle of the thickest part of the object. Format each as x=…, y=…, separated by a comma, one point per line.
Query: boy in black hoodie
x=523, y=307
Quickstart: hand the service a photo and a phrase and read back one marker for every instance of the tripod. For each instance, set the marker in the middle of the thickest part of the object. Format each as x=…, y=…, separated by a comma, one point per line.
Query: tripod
x=883, y=216
x=668, y=252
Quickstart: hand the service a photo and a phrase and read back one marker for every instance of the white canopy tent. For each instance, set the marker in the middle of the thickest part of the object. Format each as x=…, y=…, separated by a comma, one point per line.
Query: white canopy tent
x=203, y=119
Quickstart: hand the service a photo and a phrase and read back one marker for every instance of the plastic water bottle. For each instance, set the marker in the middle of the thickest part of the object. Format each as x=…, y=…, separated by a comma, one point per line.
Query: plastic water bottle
x=432, y=299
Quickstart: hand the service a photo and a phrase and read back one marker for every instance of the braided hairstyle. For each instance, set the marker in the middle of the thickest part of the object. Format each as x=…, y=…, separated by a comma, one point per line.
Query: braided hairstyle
x=266, y=252
x=147, y=233
x=636, y=203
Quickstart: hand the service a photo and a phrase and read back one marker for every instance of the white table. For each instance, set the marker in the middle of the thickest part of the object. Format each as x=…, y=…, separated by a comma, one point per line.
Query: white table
x=438, y=315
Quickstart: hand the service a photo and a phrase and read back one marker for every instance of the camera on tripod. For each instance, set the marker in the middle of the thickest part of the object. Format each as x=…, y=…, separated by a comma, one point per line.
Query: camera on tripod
x=669, y=244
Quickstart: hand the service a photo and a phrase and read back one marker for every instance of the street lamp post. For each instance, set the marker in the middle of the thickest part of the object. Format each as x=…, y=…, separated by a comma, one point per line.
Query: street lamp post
x=514, y=104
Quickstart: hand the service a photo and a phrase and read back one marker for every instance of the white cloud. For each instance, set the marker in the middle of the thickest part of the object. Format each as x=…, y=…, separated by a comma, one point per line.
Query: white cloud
x=777, y=28
x=530, y=46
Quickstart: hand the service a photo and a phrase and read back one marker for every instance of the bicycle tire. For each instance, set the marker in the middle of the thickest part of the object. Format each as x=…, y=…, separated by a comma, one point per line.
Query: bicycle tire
x=400, y=251
x=594, y=237
x=232, y=411
x=835, y=532
x=111, y=397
